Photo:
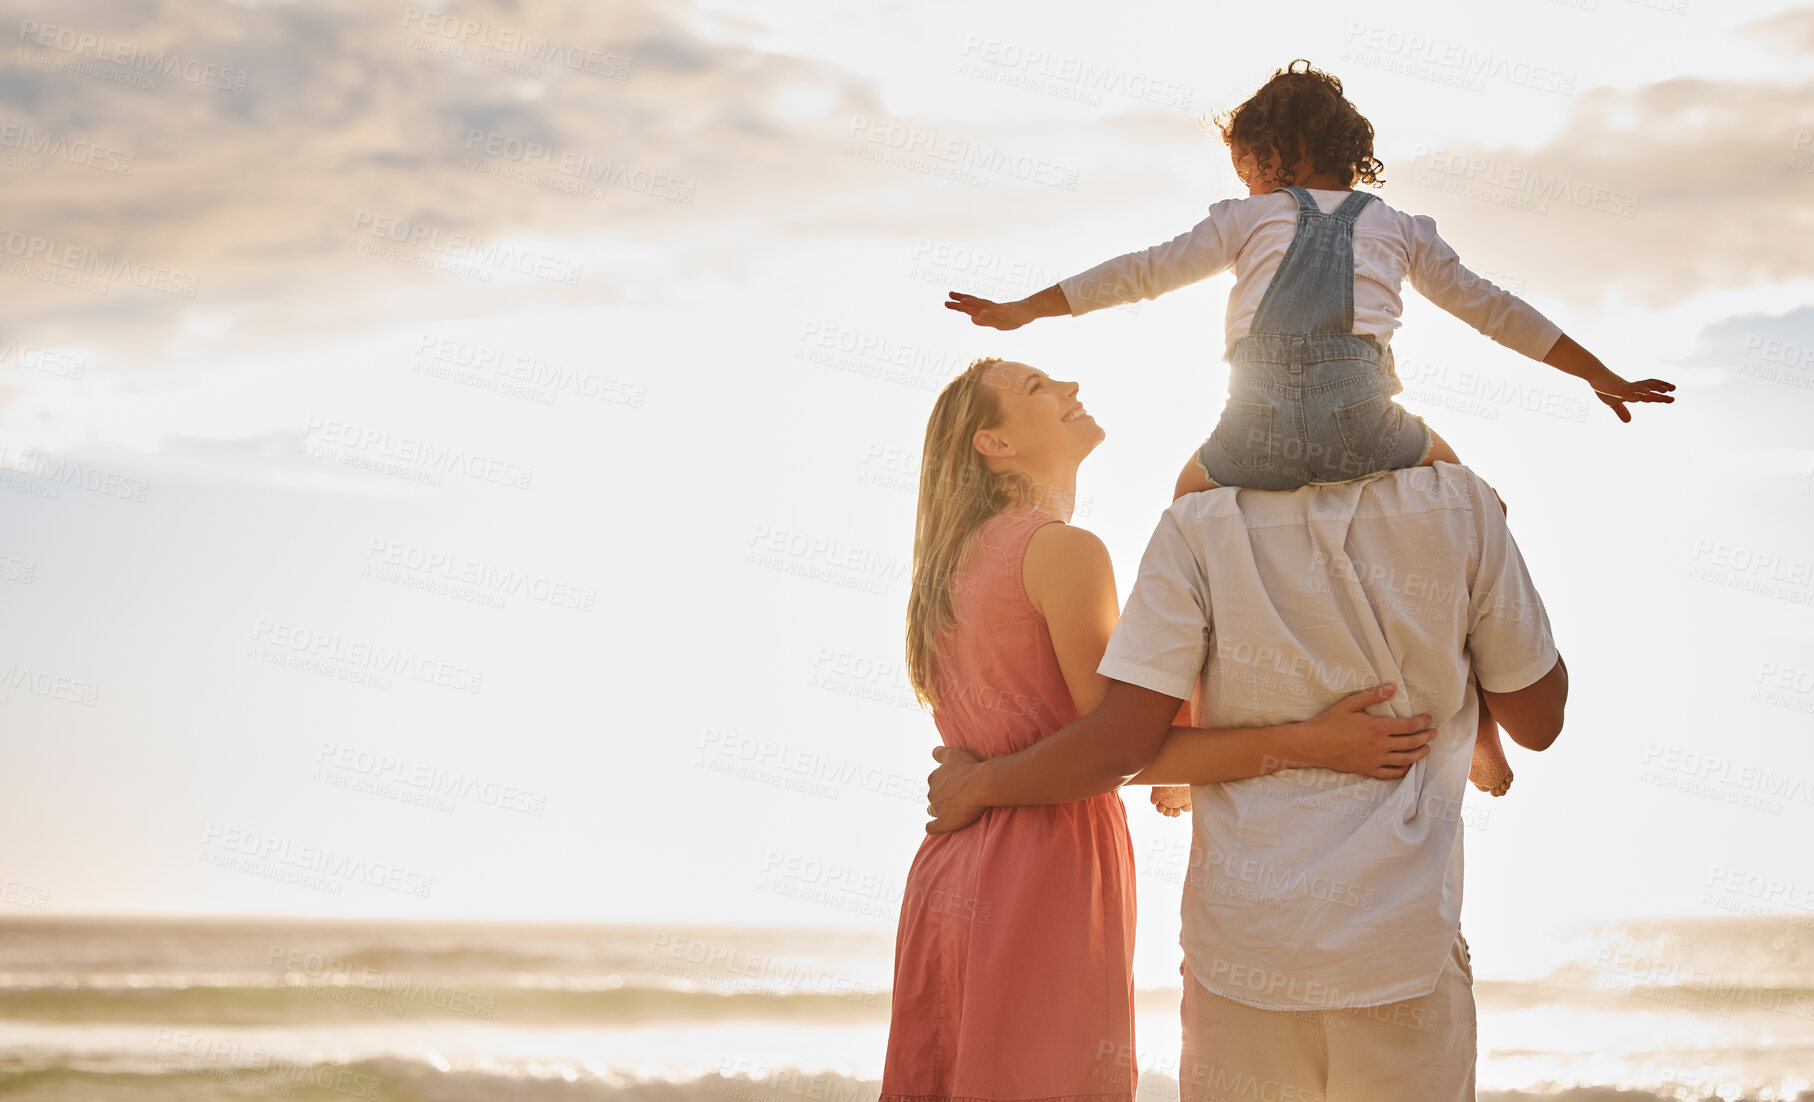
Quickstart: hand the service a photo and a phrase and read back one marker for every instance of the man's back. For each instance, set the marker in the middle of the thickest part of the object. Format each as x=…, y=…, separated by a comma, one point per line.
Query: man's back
x=1309, y=887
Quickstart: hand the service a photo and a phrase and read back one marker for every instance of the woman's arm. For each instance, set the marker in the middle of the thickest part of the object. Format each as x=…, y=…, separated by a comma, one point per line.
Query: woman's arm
x=1127, y=730
x=1114, y=744
x=1093, y=754
x=1344, y=738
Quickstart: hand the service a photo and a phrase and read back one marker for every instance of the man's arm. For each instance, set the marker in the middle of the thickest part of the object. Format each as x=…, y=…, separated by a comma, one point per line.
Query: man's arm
x=1510, y=645
x=1533, y=715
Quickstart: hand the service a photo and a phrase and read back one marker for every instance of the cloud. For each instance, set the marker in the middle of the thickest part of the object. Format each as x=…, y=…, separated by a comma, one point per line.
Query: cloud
x=1786, y=338
x=286, y=134
x=1761, y=366
x=368, y=167
x=1659, y=192
x=1791, y=30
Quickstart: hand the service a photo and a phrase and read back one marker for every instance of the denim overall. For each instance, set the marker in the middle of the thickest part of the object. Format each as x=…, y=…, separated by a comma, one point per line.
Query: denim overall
x=1309, y=399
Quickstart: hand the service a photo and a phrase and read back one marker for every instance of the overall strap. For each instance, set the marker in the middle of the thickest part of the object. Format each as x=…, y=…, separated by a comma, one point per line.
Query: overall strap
x=1306, y=204
x=1312, y=292
x=1351, y=206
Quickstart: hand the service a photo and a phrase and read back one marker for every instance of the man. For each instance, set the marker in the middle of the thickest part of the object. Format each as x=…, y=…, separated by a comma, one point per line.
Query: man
x=1321, y=925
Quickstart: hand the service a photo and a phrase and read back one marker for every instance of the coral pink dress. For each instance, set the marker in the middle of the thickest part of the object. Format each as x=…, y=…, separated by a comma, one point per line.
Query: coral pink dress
x=1013, y=961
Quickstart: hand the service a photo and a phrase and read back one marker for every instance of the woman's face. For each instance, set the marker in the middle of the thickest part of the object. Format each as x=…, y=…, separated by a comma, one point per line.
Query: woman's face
x=1043, y=427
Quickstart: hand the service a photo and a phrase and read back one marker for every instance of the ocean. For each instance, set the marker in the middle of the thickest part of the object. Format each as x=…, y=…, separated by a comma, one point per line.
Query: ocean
x=152, y=1010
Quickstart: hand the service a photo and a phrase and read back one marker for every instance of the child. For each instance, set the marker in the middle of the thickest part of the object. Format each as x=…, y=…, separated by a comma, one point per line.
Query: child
x=1315, y=301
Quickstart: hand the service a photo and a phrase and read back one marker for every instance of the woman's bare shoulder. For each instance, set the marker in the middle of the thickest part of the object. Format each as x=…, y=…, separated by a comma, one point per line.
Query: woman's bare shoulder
x=1065, y=557
x=1062, y=537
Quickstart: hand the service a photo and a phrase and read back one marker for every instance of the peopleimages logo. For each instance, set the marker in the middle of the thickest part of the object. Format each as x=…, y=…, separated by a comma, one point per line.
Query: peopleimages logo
x=1066, y=77
x=329, y=971
x=56, y=473
x=30, y=249
x=386, y=230
x=331, y=649
x=325, y=433
x=131, y=56
x=1554, y=186
x=309, y=865
x=55, y=147
x=453, y=30
x=956, y=155
x=580, y=167
x=1460, y=59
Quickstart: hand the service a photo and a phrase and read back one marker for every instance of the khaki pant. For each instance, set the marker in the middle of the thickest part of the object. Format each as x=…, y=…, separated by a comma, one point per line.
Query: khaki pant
x=1418, y=1050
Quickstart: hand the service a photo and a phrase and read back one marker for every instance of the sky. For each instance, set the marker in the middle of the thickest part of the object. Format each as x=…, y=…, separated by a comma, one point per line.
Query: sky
x=459, y=461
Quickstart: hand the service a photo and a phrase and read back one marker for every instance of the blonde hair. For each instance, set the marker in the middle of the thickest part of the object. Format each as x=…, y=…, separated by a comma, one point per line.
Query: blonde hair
x=958, y=494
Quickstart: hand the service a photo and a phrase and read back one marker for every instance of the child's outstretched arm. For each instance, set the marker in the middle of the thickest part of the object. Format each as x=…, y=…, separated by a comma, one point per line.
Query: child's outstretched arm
x=1198, y=253
x=1569, y=357
x=1049, y=303
x=1439, y=276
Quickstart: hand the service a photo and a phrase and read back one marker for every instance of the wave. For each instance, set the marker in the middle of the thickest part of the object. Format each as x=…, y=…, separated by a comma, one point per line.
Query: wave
x=290, y=1003
x=393, y=1080
x=398, y=1080
x=1699, y=992
x=1631, y=1094
x=154, y=944
x=238, y=999
x=241, y=1000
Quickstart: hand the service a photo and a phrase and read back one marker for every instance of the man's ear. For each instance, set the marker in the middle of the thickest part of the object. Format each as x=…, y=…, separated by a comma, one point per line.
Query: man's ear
x=990, y=444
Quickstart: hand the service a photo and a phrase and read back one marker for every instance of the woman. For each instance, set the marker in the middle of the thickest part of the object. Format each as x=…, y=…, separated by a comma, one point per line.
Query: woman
x=1013, y=975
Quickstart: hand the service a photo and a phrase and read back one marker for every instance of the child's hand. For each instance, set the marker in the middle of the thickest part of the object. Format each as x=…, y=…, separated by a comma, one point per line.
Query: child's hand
x=1171, y=800
x=1615, y=392
x=995, y=315
x=1568, y=356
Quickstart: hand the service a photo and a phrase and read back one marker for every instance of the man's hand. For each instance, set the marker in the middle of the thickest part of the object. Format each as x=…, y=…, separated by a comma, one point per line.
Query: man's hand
x=952, y=793
x=1615, y=392
x=1347, y=739
x=995, y=315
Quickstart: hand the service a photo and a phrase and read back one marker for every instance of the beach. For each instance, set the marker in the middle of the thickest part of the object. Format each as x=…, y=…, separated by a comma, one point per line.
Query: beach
x=164, y=1009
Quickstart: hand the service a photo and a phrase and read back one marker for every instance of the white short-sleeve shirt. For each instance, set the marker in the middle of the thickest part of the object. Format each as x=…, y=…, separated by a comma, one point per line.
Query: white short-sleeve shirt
x=1310, y=888
x=1251, y=233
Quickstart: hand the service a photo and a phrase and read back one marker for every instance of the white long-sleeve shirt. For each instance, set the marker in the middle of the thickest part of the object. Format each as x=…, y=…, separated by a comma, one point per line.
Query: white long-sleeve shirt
x=1252, y=233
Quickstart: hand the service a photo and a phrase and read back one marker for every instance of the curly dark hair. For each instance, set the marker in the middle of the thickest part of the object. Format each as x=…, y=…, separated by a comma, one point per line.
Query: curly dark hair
x=1301, y=113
